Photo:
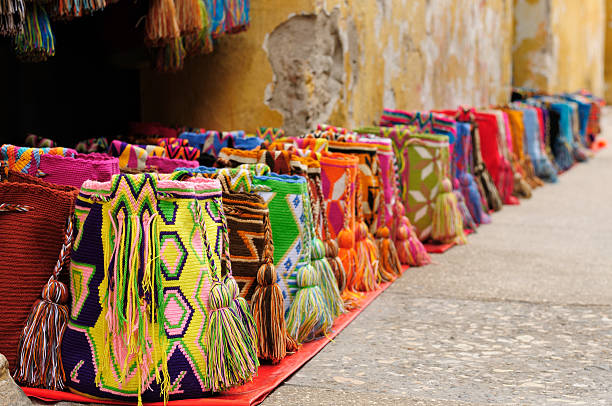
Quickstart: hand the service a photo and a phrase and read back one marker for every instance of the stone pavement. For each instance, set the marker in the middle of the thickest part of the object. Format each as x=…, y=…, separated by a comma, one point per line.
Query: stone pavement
x=520, y=315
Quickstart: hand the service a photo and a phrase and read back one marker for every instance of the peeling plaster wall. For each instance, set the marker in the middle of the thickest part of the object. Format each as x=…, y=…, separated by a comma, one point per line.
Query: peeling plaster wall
x=559, y=44
x=341, y=62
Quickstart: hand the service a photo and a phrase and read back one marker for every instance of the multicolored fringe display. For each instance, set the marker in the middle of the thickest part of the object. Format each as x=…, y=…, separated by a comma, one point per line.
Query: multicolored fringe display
x=77, y=8
x=36, y=42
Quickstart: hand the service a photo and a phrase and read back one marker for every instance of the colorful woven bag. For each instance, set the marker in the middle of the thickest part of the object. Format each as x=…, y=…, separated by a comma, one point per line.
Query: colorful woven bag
x=426, y=157
x=152, y=316
x=27, y=160
x=36, y=235
x=130, y=156
x=73, y=171
x=168, y=165
x=284, y=196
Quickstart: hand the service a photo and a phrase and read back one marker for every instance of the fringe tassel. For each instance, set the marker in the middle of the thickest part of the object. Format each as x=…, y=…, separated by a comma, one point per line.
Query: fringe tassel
x=329, y=284
x=35, y=43
x=308, y=316
x=268, y=312
x=161, y=26
x=78, y=8
x=200, y=42
x=331, y=253
x=389, y=267
x=468, y=221
x=189, y=16
x=170, y=57
x=521, y=187
x=447, y=225
x=473, y=199
x=410, y=249
x=241, y=307
x=39, y=359
x=348, y=257
x=268, y=307
x=232, y=356
x=12, y=14
x=366, y=279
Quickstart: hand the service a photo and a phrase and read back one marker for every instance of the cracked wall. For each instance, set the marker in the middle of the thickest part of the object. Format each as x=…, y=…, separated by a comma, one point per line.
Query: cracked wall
x=559, y=44
x=341, y=61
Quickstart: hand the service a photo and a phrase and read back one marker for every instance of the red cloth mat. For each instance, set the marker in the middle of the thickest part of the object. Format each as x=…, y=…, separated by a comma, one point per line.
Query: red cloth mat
x=253, y=393
x=437, y=248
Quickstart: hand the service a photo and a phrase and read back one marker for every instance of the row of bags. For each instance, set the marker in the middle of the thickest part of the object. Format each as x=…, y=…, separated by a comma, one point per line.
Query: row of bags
x=183, y=278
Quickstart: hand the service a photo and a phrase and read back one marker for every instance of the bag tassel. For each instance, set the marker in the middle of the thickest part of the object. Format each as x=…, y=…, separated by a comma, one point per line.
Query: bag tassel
x=329, y=284
x=232, y=356
x=473, y=199
x=521, y=187
x=468, y=221
x=268, y=307
x=410, y=249
x=39, y=359
x=308, y=316
x=447, y=225
x=389, y=267
x=331, y=253
x=348, y=257
x=366, y=277
x=232, y=351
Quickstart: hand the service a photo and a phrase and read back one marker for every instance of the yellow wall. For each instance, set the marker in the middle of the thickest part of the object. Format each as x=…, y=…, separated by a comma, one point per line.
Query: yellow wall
x=608, y=53
x=559, y=44
x=358, y=57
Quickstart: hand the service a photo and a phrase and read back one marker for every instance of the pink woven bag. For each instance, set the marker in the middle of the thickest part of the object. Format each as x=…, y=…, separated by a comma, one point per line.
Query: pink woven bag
x=61, y=170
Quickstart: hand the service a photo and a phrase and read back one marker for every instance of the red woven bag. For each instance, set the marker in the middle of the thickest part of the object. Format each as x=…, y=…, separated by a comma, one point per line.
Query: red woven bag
x=33, y=221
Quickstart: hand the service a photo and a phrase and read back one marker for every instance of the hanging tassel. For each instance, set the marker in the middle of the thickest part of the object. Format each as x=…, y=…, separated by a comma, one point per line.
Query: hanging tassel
x=348, y=257
x=39, y=359
x=389, y=267
x=473, y=199
x=308, y=316
x=161, y=26
x=12, y=15
x=268, y=312
x=447, y=225
x=241, y=307
x=77, y=8
x=366, y=279
x=329, y=284
x=35, y=43
x=410, y=249
x=521, y=187
x=170, y=57
x=200, y=42
x=189, y=16
x=331, y=253
x=468, y=221
x=268, y=307
x=232, y=356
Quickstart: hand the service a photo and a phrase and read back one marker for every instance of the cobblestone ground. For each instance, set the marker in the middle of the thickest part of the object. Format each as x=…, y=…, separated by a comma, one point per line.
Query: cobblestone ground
x=521, y=315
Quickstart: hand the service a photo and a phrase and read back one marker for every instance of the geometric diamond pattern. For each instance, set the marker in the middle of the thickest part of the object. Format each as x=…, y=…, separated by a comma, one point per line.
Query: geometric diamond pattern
x=177, y=312
x=173, y=255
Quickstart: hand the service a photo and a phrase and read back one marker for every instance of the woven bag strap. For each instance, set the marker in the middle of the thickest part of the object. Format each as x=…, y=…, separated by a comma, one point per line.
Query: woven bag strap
x=9, y=207
x=209, y=255
x=64, y=256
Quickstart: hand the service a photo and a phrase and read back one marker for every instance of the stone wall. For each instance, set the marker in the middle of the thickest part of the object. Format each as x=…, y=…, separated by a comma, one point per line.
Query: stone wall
x=559, y=44
x=340, y=61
